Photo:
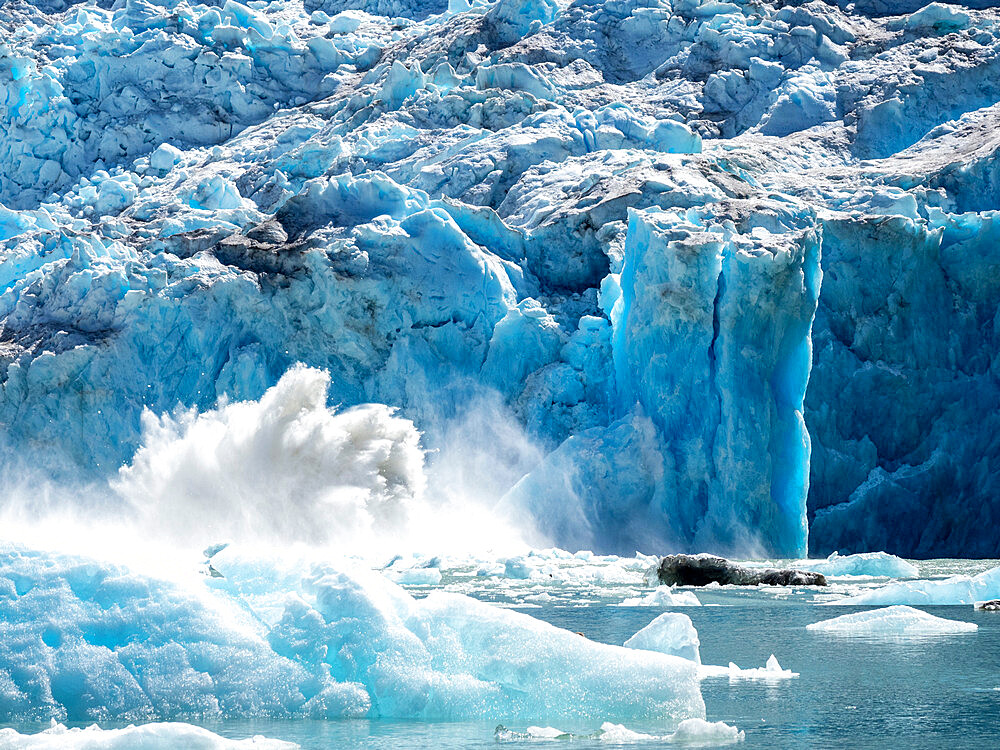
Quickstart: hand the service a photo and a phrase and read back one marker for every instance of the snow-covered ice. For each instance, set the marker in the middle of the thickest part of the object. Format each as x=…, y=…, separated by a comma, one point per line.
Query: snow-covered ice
x=897, y=620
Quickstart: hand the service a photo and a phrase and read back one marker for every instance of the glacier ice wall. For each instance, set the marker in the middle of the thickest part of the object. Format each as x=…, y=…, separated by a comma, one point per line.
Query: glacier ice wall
x=635, y=231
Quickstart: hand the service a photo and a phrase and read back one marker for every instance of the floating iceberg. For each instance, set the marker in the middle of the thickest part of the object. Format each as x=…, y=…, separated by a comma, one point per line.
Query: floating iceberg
x=867, y=564
x=87, y=640
x=662, y=596
x=670, y=633
x=161, y=736
x=954, y=590
x=897, y=620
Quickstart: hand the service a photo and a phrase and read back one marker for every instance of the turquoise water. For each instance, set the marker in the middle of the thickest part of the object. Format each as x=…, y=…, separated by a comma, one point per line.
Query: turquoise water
x=939, y=692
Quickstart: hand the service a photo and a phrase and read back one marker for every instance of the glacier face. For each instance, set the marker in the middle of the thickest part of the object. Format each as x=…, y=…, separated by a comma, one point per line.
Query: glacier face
x=726, y=268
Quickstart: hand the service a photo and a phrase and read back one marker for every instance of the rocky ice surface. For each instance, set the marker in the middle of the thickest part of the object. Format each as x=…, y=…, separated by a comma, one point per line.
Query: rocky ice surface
x=729, y=268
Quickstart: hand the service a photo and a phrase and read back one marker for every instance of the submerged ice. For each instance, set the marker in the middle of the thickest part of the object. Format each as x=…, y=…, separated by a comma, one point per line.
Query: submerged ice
x=689, y=275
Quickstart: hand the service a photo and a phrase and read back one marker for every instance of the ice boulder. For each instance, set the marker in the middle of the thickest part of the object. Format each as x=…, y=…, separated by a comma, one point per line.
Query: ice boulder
x=897, y=620
x=670, y=633
x=937, y=17
x=159, y=736
x=954, y=590
x=447, y=656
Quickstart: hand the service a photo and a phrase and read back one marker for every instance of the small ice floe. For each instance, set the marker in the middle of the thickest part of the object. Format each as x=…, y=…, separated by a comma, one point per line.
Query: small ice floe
x=701, y=732
x=690, y=732
x=662, y=596
x=895, y=621
x=770, y=671
x=415, y=576
x=159, y=736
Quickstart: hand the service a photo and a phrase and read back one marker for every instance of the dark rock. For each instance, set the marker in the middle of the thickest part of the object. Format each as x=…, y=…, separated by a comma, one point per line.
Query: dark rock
x=991, y=606
x=701, y=570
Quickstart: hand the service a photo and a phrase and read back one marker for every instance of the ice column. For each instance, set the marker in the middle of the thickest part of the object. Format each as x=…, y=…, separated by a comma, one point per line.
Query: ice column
x=712, y=341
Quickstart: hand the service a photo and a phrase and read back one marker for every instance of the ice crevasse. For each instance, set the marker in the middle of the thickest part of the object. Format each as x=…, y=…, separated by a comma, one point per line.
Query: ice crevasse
x=729, y=287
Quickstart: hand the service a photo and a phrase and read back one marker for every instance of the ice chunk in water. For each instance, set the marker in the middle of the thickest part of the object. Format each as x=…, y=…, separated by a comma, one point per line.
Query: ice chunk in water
x=954, y=590
x=663, y=596
x=165, y=736
x=892, y=621
x=670, y=633
x=870, y=564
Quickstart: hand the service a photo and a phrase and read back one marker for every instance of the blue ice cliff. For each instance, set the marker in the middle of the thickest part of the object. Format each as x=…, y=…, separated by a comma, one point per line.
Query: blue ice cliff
x=650, y=274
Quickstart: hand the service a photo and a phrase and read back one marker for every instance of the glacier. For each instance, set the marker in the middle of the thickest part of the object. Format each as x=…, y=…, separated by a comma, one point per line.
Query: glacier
x=653, y=274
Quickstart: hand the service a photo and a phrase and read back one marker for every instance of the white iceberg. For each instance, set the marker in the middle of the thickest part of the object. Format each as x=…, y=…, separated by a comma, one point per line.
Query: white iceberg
x=670, y=633
x=897, y=620
x=867, y=564
x=701, y=732
x=662, y=596
x=953, y=590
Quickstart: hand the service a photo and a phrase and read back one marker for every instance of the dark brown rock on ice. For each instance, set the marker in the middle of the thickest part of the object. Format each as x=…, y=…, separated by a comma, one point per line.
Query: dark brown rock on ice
x=701, y=570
